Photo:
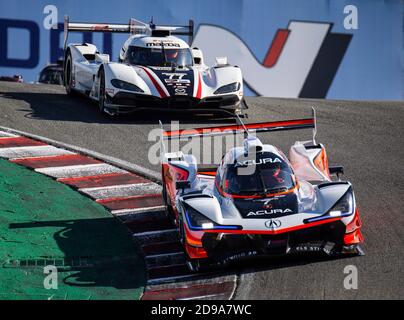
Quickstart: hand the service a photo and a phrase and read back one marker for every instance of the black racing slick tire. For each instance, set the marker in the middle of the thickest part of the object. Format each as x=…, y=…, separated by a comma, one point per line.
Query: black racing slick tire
x=167, y=206
x=101, y=92
x=192, y=264
x=68, y=75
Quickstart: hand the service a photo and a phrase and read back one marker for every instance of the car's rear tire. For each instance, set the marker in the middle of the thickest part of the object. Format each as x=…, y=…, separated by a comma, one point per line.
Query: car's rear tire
x=181, y=230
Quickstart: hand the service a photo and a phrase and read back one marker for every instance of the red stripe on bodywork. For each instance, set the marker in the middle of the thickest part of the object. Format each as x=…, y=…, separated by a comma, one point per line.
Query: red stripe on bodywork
x=101, y=27
x=19, y=142
x=199, y=89
x=252, y=126
x=155, y=83
x=276, y=47
x=199, y=290
x=207, y=173
x=103, y=180
x=55, y=161
x=134, y=202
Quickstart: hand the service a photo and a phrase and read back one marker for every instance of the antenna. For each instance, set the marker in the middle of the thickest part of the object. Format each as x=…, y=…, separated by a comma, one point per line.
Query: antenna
x=66, y=31
x=162, y=146
x=191, y=33
x=152, y=25
x=315, y=125
x=242, y=124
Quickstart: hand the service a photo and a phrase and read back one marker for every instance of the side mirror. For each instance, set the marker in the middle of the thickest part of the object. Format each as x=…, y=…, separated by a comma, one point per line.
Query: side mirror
x=337, y=170
x=102, y=58
x=198, y=56
x=221, y=61
x=182, y=185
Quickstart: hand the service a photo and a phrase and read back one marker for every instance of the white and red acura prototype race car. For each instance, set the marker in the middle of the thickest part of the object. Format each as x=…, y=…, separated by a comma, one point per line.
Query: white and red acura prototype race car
x=155, y=70
x=258, y=201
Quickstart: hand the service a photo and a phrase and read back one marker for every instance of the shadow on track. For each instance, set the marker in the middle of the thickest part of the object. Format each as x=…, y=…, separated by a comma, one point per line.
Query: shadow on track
x=60, y=107
x=267, y=263
x=112, y=263
x=90, y=259
x=287, y=261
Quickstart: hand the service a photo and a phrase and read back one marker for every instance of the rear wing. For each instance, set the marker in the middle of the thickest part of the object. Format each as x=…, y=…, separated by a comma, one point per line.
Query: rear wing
x=308, y=123
x=208, y=171
x=241, y=128
x=132, y=27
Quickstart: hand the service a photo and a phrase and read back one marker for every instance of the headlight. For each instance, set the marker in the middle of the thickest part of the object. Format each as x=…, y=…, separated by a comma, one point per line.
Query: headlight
x=232, y=87
x=125, y=85
x=197, y=221
x=344, y=206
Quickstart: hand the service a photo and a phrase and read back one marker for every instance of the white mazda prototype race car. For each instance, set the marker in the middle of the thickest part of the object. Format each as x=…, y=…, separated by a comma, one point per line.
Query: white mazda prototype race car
x=156, y=70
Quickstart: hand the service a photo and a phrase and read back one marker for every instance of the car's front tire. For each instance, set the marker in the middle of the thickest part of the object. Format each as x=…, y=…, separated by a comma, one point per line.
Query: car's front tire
x=101, y=92
x=68, y=75
x=192, y=264
x=167, y=206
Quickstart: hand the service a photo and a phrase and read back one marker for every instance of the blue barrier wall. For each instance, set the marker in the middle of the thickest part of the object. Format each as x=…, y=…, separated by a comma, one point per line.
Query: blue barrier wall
x=319, y=57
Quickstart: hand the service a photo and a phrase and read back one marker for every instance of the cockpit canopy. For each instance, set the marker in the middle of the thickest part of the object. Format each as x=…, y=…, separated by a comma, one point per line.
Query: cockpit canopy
x=160, y=56
x=265, y=173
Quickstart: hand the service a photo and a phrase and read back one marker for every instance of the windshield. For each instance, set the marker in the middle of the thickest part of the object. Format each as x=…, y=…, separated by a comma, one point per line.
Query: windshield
x=159, y=57
x=267, y=178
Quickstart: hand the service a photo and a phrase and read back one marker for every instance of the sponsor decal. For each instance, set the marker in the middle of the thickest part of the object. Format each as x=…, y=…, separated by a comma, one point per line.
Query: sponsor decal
x=309, y=48
x=309, y=248
x=180, y=91
x=267, y=202
x=277, y=243
x=176, y=83
x=240, y=255
x=166, y=44
x=273, y=224
x=258, y=162
x=324, y=247
x=267, y=205
x=267, y=212
x=102, y=27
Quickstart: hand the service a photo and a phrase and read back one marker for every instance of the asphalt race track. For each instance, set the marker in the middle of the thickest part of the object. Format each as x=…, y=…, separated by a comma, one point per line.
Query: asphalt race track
x=365, y=137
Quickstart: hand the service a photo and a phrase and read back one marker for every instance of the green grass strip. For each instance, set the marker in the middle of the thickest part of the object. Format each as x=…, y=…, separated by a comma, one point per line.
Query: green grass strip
x=43, y=222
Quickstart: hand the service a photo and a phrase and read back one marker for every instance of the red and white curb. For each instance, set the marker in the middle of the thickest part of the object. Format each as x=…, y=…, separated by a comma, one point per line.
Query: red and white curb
x=135, y=200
